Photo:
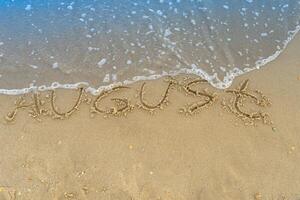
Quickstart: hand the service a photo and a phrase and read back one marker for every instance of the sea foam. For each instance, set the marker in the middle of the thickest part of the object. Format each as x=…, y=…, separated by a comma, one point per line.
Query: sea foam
x=101, y=44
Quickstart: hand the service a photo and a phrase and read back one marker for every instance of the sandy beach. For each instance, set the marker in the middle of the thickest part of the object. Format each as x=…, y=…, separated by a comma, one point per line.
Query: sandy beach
x=167, y=155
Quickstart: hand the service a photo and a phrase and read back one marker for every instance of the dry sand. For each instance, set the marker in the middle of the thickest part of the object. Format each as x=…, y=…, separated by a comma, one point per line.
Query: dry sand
x=168, y=156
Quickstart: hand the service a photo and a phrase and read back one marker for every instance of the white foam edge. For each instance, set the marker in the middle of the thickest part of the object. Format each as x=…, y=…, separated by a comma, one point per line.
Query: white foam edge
x=214, y=80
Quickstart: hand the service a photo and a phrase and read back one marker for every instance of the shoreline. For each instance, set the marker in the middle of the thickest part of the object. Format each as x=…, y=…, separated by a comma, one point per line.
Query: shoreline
x=233, y=74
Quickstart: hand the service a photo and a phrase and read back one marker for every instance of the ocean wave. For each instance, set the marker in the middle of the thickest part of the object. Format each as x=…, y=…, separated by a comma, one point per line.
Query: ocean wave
x=100, y=44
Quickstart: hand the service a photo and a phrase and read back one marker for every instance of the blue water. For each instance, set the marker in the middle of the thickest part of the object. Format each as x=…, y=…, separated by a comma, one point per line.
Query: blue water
x=46, y=44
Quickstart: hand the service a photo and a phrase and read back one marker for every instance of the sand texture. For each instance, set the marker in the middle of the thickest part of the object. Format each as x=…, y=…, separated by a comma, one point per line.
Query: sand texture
x=159, y=140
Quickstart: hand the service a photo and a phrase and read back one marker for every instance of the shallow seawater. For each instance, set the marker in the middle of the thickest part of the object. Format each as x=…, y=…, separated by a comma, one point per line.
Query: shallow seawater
x=58, y=43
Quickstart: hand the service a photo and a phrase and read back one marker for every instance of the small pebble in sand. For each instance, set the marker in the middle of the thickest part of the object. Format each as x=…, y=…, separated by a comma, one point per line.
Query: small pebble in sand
x=69, y=195
x=79, y=174
x=292, y=149
x=85, y=190
x=274, y=129
x=104, y=189
x=54, y=65
x=257, y=196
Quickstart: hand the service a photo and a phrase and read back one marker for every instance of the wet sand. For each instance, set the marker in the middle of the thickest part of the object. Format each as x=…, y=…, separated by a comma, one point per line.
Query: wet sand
x=162, y=155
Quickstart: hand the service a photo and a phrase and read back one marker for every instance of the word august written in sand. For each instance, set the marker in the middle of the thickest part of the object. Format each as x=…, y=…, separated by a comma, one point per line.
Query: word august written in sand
x=39, y=104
